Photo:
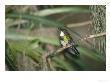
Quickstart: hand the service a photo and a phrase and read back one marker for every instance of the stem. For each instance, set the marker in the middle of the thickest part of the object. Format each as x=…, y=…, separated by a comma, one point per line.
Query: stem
x=90, y=37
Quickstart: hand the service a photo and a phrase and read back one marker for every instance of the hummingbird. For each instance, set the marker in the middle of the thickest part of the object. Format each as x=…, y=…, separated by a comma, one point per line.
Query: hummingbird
x=65, y=40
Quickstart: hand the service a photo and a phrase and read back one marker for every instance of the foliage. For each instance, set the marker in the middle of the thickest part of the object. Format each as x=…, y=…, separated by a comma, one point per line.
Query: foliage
x=31, y=35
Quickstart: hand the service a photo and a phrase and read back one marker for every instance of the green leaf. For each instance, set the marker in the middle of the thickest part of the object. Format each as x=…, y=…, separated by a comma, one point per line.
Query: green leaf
x=14, y=35
x=20, y=46
x=51, y=11
x=9, y=58
x=36, y=19
x=91, y=54
x=63, y=64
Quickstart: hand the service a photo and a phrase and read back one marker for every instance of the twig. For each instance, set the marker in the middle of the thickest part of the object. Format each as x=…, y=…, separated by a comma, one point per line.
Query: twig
x=80, y=24
x=94, y=36
x=61, y=49
x=44, y=61
x=90, y=37
x=50, y=65
x=58, y=51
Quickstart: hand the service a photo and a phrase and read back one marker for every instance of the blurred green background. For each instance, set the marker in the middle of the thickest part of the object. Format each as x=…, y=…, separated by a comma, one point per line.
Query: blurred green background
x=31, y=34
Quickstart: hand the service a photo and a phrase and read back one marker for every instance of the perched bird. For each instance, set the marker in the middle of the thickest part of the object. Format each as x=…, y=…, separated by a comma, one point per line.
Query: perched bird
x=65, y=40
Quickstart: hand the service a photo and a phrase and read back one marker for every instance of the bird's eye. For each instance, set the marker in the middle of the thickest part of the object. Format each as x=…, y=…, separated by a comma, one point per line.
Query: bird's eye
x=61, y=38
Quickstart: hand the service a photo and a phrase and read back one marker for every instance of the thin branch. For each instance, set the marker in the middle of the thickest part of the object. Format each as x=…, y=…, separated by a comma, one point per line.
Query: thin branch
x=44, y=62
x=79, y=24
x=61, y=49
x=94, y=36
x=50, y=65
x=90, y=37
x=58, y=51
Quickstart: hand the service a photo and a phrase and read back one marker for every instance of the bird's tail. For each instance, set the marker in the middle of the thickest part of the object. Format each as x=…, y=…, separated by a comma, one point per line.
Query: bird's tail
x=73, y=51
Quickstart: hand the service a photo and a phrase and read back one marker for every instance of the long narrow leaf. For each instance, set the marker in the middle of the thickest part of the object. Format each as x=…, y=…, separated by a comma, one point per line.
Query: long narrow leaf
x=33, y=18
x=13, y=35
x=51, y=11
